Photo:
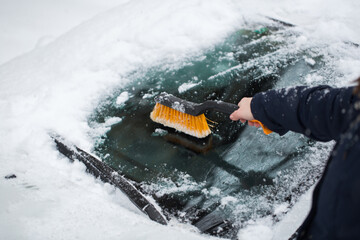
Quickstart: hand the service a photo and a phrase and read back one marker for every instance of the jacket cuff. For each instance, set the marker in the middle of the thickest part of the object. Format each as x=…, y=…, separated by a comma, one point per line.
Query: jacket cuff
x=259, y=111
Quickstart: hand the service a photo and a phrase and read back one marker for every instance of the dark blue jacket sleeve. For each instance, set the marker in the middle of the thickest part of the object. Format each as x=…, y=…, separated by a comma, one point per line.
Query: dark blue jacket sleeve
x=321, y=113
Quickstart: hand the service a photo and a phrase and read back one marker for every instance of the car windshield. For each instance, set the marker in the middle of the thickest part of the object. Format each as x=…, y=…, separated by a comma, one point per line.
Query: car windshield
x=236, y=174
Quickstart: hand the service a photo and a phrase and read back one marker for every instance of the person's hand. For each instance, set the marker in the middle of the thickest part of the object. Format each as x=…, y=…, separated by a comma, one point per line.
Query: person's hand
x=244, y=113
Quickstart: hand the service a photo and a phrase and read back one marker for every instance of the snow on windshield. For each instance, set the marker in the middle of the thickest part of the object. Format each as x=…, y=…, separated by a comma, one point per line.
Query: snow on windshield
x=238, y=173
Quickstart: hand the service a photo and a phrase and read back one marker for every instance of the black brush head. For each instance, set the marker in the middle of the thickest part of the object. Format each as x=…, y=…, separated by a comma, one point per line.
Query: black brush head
x=179, y=104
x=194, y=109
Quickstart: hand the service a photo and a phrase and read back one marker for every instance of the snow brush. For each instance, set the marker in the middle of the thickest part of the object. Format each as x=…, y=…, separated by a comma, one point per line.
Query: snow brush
x=188, y=117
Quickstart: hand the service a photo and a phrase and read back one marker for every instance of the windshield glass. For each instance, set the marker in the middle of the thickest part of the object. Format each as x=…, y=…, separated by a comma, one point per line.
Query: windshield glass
x=237, y=173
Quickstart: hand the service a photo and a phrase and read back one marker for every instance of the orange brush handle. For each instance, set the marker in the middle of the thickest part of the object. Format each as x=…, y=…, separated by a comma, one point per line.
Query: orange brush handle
x=265, y=129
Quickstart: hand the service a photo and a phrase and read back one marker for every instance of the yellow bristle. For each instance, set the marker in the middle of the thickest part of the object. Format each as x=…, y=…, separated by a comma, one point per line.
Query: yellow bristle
x=193, y=125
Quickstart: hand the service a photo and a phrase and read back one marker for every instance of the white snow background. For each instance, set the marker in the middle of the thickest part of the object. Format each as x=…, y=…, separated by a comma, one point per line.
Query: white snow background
x=27, y=24
x=55, y=87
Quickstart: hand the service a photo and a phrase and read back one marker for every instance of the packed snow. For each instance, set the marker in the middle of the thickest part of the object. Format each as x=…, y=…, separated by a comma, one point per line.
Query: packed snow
x=122, y=98
x=186, y=86
x=55, y=87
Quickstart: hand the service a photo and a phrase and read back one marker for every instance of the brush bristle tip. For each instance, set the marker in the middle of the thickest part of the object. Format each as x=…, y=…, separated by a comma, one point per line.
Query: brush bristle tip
x=192, y=125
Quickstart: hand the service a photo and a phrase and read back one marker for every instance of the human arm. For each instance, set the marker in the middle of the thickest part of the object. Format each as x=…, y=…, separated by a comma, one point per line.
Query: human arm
x=321, y=113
